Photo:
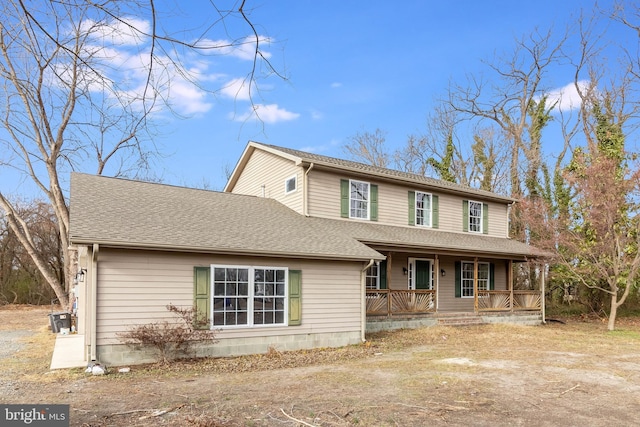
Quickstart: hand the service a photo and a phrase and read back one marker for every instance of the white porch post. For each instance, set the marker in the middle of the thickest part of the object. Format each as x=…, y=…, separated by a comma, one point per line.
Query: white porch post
x=475, y=284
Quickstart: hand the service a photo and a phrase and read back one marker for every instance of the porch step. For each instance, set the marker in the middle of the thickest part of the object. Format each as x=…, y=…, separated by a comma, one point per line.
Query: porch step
x=460, y=320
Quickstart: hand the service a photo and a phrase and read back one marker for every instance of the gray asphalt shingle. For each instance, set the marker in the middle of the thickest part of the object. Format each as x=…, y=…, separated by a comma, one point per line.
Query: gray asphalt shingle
x=128, y=213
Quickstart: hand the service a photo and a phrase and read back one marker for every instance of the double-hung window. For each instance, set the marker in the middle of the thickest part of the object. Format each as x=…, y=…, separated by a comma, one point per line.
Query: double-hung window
x=467, y=277
x=248, y=296
x=423, y=209
x=359, y=199
x=372, y=276
x=475, y=217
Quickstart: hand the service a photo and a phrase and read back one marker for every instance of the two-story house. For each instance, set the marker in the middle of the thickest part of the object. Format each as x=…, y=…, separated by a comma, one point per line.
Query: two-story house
x=299, y=251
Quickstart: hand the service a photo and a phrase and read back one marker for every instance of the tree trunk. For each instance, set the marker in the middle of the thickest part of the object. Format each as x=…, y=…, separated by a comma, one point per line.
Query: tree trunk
x=614, y=312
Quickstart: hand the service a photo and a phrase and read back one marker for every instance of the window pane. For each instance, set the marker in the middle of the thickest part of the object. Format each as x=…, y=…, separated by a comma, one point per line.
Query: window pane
x=359, y=199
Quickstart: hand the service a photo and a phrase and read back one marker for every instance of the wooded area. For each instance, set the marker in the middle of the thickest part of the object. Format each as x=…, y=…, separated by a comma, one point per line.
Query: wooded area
x=569, y=155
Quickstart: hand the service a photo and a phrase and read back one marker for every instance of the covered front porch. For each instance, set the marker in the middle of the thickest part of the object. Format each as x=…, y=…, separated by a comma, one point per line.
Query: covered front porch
x=439, y=285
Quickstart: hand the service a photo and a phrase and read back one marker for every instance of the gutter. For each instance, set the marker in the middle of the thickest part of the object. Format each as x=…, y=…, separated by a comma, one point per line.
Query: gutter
x=94, y=300
x=363, y=302
x=305, y=190
x=223, y=251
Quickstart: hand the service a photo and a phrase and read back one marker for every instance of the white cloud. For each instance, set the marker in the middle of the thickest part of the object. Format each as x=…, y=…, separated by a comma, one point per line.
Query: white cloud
x=128, y=31
x=244, y=49
x=270, y=113
x=567, y=98
x=317, y=115
x=335, y=85
x=237, y=89
x=120, y=64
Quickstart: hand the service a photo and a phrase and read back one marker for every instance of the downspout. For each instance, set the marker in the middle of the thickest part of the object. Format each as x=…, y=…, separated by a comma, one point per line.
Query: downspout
x=363, y=302
x=305, y=190
x=94, y=300
x=543, y=269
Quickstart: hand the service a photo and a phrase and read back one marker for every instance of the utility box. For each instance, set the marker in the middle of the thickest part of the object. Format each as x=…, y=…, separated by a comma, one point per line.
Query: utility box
x=59, y=321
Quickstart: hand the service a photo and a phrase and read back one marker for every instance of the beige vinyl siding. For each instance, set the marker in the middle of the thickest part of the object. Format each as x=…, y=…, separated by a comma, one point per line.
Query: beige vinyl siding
x=393, y=204
x=447, y=300
x=267, y=169
x=135, y=286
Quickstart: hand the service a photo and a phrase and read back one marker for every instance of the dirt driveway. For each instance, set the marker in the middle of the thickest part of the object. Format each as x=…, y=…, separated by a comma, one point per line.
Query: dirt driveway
x=573, y=374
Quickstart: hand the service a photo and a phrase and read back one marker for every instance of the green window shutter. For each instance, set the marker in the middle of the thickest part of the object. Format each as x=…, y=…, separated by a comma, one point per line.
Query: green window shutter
x=485, y=218
x=383, y=274
x=492, y=274
x=412, y=208
x=458, y=279
x=465, y=215
x=373, y=193
x=201, y=294
x=344, y=198
x=435, y=212
x=295, y=297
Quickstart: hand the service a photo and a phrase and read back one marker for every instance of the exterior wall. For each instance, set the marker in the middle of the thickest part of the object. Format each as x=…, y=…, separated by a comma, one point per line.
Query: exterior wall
x=393, y=204
x=134, y=288
x=446, y=295
x=267, y=169
x=447, y=300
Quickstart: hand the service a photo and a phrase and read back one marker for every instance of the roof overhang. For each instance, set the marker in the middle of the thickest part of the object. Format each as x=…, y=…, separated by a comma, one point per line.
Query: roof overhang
x=222, y=251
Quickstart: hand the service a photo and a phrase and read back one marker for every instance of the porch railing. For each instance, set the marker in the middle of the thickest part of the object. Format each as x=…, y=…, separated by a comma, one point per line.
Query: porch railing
x=384, y=302
x=392, y=301
x=502, y=301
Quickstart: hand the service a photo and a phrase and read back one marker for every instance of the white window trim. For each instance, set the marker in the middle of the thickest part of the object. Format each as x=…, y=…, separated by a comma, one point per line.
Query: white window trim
x=368, y=199
x=295, y=178
x=462, y=278
x=377, y=276
x=415, y=208
x=481, y=217
x=250, y=297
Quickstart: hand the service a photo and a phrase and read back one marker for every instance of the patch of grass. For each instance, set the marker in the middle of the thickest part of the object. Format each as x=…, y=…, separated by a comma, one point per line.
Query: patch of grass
x=625, y=333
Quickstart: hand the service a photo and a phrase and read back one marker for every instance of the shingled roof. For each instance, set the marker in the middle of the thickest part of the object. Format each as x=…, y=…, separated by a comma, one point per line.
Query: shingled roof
x=125, y=213
x=361, y=168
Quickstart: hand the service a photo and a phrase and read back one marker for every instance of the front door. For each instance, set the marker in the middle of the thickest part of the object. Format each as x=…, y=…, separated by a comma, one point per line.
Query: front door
x=421, y=274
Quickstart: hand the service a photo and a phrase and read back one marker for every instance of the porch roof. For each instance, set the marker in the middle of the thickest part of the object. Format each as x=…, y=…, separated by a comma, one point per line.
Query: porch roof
x=381, y=236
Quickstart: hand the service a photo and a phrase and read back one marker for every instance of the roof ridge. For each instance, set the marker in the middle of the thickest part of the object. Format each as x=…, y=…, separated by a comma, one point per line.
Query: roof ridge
x=391, y=173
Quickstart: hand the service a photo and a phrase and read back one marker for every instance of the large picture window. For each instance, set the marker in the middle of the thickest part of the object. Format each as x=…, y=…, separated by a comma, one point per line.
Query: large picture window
x=248, y=296
x=359, y=199
x=467, y=278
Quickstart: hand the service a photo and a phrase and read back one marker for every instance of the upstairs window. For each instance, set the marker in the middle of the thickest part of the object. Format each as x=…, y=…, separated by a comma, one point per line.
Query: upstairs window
x=358, y=199
x=475, y=217
x=423, y=209
x=290, y=184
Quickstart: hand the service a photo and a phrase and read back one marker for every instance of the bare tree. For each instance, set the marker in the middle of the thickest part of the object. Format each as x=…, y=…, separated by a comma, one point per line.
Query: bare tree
x=369, y=147
x=507, y=103
x=66, y=103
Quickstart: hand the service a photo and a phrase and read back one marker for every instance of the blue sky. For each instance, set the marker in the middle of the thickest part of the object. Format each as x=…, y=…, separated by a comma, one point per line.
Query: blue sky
x=352, y=66
x=356, y=66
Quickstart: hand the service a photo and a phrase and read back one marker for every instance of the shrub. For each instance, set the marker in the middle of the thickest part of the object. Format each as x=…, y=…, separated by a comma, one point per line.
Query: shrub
x=171, y=339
